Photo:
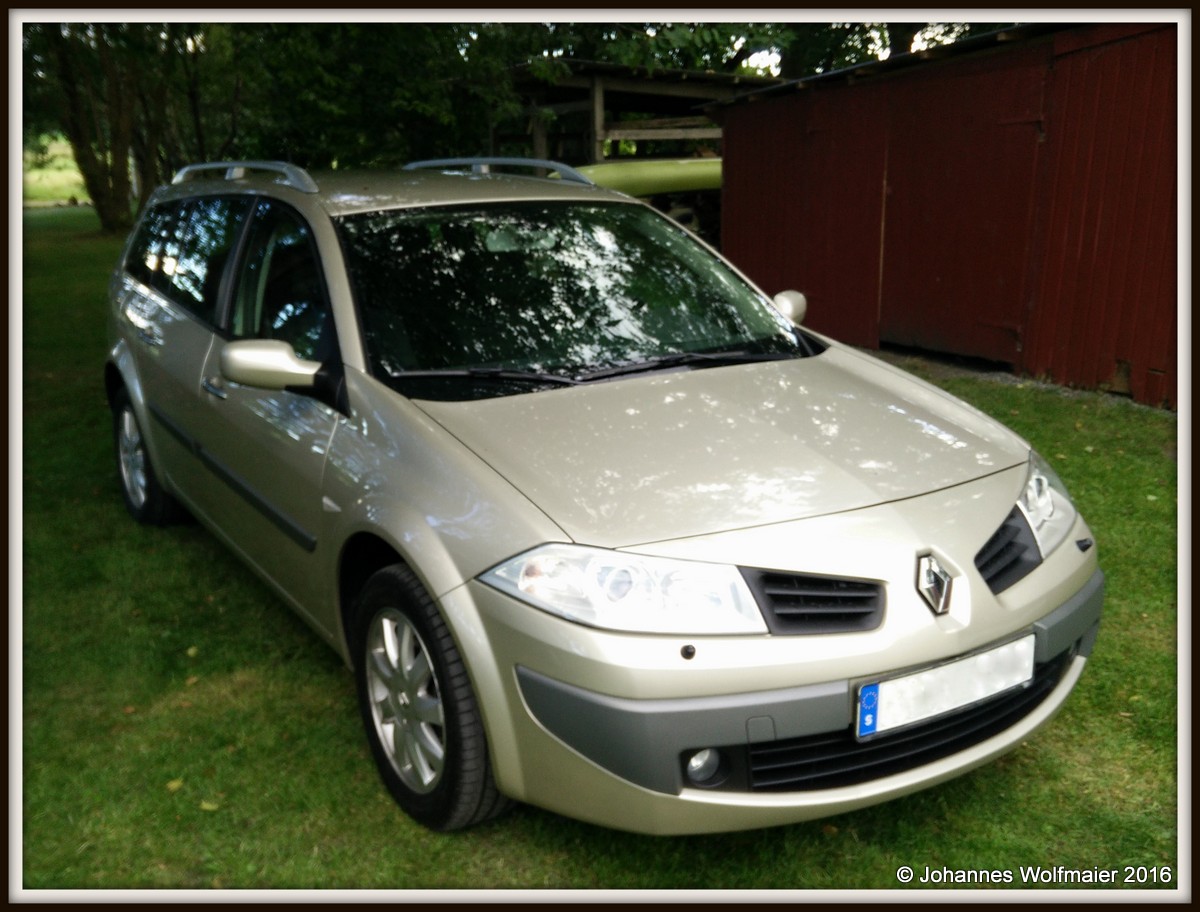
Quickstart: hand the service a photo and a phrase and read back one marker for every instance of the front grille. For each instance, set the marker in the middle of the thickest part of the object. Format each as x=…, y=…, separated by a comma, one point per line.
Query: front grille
x=797, y=604
x=838, y=759
x=1009, y=555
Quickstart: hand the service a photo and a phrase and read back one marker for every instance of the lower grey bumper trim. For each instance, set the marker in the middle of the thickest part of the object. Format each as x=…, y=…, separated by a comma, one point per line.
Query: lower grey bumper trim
x=640, y=740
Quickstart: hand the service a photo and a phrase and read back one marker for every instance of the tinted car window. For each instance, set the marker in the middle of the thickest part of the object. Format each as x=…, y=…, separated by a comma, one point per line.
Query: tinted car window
x=208, y=234
x=546, y=287
x=280, y=293
x=145, y=254
x=181, y=251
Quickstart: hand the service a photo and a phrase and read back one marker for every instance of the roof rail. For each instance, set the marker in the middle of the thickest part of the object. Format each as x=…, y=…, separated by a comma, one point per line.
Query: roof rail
x=484, y=165
x=289, y=175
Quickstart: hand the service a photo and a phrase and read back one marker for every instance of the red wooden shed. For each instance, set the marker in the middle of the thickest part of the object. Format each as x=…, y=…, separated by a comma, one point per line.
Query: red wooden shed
x=1011, y=198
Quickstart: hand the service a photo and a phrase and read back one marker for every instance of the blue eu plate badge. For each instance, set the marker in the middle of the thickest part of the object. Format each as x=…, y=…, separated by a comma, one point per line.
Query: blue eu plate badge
x=868, y=709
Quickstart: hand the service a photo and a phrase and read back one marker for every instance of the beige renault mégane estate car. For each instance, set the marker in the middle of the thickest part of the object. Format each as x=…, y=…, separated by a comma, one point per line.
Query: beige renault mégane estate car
x=596, y=523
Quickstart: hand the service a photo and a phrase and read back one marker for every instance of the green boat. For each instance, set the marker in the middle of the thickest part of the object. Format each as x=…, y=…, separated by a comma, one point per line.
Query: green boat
x=651, y=177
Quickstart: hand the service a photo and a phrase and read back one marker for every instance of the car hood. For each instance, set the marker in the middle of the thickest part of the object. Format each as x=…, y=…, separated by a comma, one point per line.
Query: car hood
x=670, y=455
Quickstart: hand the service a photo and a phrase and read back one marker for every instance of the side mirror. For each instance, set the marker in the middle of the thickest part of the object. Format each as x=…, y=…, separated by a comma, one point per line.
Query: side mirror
x=267, y=364
x=792, y=304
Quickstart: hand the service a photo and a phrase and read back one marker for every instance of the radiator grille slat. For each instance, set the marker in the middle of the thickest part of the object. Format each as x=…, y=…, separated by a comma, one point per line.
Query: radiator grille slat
x=794, y=603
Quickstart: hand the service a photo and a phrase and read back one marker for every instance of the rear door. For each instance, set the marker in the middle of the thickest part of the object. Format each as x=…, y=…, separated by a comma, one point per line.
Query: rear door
x=171, y=292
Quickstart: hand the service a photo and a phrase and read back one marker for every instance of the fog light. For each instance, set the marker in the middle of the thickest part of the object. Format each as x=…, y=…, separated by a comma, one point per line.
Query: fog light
x=703, y=765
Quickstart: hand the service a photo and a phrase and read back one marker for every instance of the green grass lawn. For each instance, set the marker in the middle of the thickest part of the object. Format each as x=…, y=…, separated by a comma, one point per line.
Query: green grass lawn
x=180, y=728
x=50, y=176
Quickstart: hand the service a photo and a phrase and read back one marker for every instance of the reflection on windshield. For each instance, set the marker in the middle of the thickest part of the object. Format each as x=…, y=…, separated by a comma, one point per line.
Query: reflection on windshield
x=546, y=288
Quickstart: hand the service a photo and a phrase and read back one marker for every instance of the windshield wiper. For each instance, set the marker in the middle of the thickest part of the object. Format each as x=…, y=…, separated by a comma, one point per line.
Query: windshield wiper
x=678, y=359
x=501, y=374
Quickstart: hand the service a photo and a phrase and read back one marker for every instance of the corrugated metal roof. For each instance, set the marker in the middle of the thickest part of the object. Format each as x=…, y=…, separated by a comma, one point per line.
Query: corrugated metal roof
x=896, y=63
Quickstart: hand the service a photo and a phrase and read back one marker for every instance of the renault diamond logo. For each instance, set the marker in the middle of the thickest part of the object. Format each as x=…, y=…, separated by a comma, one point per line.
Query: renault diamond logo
x=933, y=583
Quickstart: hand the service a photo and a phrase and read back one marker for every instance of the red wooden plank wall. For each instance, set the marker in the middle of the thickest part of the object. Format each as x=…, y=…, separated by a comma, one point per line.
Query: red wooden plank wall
x=1016, y=204
x=802, y=204
x=1105, y=305
x=963, y=146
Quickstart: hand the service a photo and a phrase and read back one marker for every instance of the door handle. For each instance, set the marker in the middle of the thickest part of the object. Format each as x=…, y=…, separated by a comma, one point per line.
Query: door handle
x=213, y=386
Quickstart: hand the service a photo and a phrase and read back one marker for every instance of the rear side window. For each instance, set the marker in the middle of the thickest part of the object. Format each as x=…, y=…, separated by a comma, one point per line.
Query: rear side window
x=145, y=254
x=181, y=250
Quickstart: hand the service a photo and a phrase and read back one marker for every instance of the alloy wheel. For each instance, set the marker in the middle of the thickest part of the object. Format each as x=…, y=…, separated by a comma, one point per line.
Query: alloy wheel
x=132, y=458
x=405, y=700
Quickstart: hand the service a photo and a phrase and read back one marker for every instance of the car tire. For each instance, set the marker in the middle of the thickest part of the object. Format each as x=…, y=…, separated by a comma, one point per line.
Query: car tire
x=144, y=495
x=419, y=710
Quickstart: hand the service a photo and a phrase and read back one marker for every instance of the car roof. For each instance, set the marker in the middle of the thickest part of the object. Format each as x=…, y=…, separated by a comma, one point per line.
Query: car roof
x=340, y=193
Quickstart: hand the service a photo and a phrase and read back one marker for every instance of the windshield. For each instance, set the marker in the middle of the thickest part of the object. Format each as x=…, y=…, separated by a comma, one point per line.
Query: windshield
x=502, y=294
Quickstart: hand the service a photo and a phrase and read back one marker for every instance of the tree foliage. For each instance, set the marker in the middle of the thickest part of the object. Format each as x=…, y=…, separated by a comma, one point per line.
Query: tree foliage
x=362, y=94
x=134, y=100
x=160, y=95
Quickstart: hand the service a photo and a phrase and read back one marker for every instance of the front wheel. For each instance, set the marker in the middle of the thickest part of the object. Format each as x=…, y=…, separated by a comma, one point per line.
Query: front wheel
x=418, y=708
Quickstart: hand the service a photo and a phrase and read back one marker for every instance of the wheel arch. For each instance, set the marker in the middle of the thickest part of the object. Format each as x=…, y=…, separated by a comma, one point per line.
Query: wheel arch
x=383, y=532
x=113, y=381
x=119, y=372
x=366, y=552
x=363, y=554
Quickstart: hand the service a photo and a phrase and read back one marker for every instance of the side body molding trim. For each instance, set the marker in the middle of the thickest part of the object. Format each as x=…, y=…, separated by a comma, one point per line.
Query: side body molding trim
x=281, y=520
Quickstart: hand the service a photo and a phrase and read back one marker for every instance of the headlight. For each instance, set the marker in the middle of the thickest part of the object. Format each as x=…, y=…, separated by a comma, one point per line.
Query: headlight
x=629, y=592
x=1046, y=505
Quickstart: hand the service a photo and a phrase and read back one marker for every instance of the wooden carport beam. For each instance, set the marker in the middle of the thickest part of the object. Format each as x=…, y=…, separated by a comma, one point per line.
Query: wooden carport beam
x=681, y=88
x=596, y=139
x=663, y=128
x=668, y=94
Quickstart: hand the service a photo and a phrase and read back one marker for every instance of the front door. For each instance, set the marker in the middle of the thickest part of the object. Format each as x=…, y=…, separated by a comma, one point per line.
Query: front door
x=268, y=447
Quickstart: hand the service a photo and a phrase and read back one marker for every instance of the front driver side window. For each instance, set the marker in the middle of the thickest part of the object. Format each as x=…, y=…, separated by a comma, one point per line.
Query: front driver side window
x=280, y=293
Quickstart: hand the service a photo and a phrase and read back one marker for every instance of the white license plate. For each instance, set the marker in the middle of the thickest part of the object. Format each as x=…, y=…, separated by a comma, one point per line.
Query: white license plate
x=911, y=698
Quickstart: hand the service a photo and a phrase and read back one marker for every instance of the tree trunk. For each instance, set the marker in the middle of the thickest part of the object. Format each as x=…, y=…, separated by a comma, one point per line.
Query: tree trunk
x=98, y=120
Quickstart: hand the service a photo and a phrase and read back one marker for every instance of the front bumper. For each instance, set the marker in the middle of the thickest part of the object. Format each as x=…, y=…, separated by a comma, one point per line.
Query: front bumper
x=646, y=742
x=575, y=724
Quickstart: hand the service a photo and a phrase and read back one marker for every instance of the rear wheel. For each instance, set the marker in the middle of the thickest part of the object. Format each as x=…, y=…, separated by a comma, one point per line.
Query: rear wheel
x=418, y=708
x=144, y=496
